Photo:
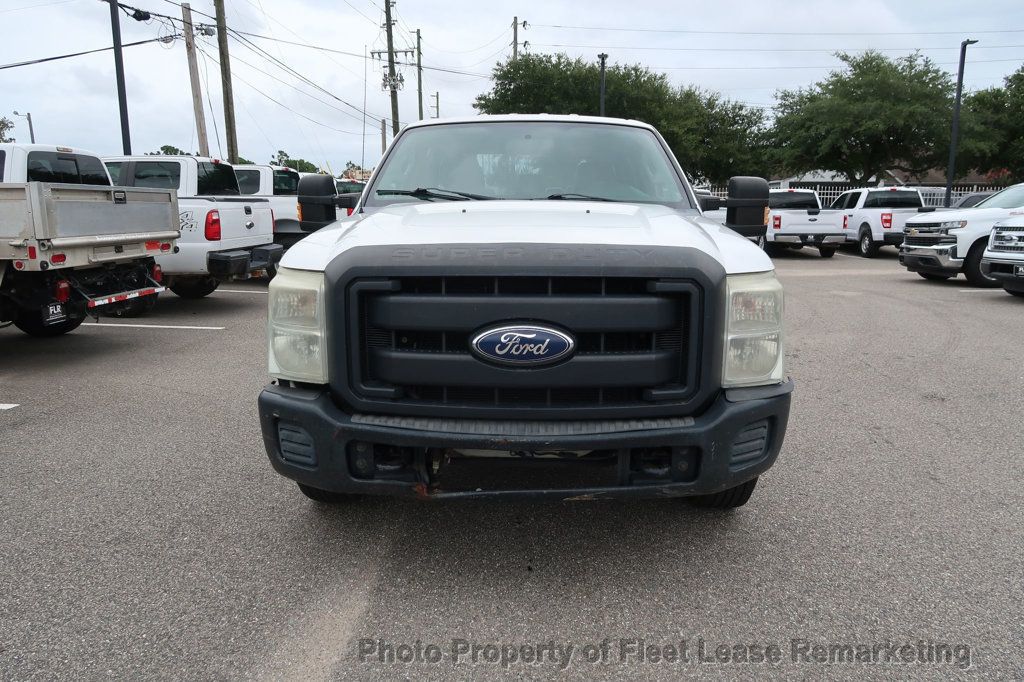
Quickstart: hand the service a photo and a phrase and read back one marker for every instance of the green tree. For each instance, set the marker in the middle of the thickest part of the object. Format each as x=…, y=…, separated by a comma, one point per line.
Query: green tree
x=712, y=137
x=301, y=165
x=875, y=114
x=243, y=160
x=169, y=150
x=6, y=126
x=993, y=130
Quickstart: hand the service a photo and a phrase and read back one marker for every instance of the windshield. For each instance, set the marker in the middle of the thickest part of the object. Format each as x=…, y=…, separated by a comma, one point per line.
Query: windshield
x=785, y=200
x=1011, y=197
x=530, y=160
x=893, y=199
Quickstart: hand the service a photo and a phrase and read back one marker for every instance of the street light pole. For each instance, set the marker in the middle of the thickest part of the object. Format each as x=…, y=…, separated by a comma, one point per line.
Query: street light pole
x=603, y=57
x=951, y=169
x=31, y=130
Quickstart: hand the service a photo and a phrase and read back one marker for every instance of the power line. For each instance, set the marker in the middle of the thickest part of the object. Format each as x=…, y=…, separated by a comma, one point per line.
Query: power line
x=500, y=36
x=42, y=4
x=776, y=33
x=79, y=54
x=830, y=66
x=768, y=49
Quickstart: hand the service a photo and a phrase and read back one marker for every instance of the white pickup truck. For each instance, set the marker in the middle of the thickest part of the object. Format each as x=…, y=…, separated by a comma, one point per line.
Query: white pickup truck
x=223, y=235
x=874, y=217
x=1004, y=258
x=942, y=245
x=279, y=185
x=796, y=219
x=71, y=245
x=532, y=306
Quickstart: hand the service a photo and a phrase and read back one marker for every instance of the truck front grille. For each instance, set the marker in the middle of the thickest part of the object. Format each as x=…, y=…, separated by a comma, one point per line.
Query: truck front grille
x=928, y=239
x=637, y=342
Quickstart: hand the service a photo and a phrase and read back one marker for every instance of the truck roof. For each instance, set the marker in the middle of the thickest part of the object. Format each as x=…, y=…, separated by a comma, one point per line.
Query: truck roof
x=523, y=118
x=46, y=148
x=165, y=157
x=794, y=190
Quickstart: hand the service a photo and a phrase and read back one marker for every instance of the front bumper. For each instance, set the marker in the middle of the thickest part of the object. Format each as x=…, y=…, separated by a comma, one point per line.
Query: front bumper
x=939, y=258
x=892, y=238
x=733, y=441
x=1009, y=271
x=810, y=239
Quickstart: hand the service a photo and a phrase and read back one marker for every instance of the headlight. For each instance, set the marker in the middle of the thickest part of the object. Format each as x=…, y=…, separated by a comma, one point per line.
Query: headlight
x=753, y=333
x=297, y=327
x=952, y=224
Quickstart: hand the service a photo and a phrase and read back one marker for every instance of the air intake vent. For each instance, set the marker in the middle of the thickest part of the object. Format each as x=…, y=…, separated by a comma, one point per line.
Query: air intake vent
x=750, y=445
x=296, y=445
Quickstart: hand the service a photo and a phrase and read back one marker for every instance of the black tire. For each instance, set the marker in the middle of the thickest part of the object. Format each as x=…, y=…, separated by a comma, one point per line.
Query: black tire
x=271, y=272
x=972, y=268
x=324, y=496
x=762, y=243
x=31, y=322
x=1012, y=292
x=137, y=307
x=195, y=288
x=727, y=499
x=866, y=246
x=826, y=252
x=934, y=276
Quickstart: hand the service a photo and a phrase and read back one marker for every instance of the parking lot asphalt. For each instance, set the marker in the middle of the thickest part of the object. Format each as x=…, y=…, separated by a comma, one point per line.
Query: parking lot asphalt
x=145, y=535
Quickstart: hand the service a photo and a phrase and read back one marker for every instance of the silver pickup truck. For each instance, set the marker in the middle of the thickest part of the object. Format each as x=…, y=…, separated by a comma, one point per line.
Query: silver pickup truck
x=71, y=245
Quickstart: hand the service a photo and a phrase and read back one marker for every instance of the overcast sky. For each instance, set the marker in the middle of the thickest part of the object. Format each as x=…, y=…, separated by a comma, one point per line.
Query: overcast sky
x=735, y=51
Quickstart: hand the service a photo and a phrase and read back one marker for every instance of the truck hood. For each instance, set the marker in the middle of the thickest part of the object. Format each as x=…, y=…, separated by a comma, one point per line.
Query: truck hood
x=529, y=222
x=990, y=215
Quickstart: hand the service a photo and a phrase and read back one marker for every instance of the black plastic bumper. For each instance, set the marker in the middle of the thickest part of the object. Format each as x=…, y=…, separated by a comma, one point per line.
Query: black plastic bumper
x=893, y=238
x=714, y=450
x=241, y=262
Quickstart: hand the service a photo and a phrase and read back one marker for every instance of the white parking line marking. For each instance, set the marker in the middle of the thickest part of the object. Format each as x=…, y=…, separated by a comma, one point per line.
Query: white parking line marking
x=150, y=326
x=8, y=406
x=242, y=291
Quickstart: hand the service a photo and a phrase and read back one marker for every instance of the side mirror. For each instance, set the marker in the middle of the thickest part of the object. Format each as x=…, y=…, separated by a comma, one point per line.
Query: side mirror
x=316, y=202
x=747, y=206
x=708, y=202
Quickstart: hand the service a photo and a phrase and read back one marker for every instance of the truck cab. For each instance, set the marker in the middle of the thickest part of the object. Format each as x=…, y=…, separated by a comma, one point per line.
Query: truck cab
x=224, y=234
x=529, y=306
x=279, y=185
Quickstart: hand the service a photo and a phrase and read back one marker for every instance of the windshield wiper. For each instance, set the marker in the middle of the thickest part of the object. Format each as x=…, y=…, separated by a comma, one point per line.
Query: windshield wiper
x=432, y=193
x=574, y=195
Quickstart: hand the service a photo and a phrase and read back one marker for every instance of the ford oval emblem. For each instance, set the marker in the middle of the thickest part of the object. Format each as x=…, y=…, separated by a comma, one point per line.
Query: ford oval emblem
x=523, y=345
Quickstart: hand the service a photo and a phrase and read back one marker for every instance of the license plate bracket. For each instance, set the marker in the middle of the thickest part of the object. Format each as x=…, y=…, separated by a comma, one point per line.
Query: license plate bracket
x=1018, y=270
x=54, y=313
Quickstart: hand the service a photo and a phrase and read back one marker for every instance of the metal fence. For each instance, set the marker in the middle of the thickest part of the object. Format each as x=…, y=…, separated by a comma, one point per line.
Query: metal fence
x=829, y=192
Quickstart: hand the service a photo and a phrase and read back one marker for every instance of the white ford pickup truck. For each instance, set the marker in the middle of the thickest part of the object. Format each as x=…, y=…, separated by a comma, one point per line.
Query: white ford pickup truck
x=279, y=185
x=874, y=217
x=941, y=245
x=71, y=245
x=797, y=219
x=223, y=235
x=528, y=306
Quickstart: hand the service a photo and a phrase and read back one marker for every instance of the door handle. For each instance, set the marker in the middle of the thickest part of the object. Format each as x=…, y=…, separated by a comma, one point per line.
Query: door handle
x=249, y=224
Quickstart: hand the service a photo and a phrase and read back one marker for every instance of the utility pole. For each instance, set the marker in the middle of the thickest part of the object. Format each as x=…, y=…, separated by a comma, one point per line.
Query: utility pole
x=31, y=131
x=225, y=79
x=603, y=57
x=391, y=67
x=122, y=97
x=515, y=36
x=419, y=71
x=193, y=76
x=951, y=169
x=437, y=105
x=383, y=135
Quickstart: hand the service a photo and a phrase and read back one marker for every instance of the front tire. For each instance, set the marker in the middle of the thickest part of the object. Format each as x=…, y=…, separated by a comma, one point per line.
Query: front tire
x=31, y=322
x=727, y=499
x=195, y=288
x=867, y=246
x=934, y=276
x=972, y=268
x=325, y=497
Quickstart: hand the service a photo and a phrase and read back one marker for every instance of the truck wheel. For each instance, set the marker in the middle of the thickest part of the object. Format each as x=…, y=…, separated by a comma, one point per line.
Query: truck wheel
x=137, y=307
x=972, y=268
x=826, y=253
x=31, y=322
x=195, y=288
x=727, y=499
x=934, y=276
x=324, y=496
x=866, y=245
